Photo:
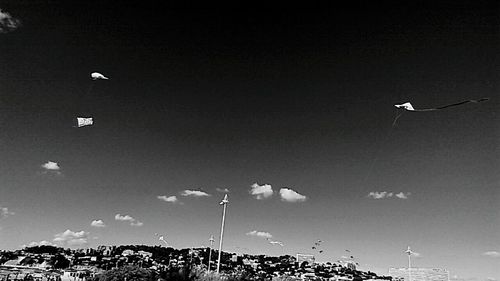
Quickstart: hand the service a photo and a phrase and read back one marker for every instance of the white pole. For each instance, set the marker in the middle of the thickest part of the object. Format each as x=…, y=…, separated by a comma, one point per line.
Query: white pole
x=409, y=262
x=224, y=203
x=210, y=253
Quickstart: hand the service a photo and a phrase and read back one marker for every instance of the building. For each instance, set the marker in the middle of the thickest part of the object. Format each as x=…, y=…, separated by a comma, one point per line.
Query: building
x=419, y=274
x=351, y=265
x=305, y=258
x=145, y=254
x=128, y=253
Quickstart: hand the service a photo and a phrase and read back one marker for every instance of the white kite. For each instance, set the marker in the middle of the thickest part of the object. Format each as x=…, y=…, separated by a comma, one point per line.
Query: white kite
x=82, y=121
x=97, y=75
x=161, y=238
x=409, y=107
x=406, y=106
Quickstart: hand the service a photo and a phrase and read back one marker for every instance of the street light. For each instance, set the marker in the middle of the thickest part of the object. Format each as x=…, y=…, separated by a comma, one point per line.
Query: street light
x=409, y=252
x=212, y=240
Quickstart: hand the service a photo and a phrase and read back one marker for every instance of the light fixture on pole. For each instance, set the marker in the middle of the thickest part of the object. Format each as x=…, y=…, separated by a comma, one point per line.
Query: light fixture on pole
x=224, y=204
x=212, y=240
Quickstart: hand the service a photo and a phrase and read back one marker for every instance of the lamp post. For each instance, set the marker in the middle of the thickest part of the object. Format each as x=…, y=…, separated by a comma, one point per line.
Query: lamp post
x=210, y=252
x=224, y=204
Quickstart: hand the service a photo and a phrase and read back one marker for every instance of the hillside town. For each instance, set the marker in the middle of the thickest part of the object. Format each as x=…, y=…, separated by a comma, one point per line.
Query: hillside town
x=47, y=263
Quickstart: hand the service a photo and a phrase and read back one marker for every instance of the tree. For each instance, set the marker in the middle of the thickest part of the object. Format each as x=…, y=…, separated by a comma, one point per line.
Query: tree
x=59, y=262
x=43, y=249
x=6, y=256
x=357, y=278
x=128, y=273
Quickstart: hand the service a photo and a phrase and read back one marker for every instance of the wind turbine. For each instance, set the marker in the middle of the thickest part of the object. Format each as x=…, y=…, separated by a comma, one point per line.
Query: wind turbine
x=224, y=203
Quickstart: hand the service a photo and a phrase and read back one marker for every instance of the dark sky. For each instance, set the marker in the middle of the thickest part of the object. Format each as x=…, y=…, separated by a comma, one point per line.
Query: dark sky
x=203, y=98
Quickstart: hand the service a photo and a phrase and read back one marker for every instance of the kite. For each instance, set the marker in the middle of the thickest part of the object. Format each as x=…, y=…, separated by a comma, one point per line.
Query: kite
x=409, y=107
x=98, y=76
x=161, y=238
x=84, y=121
x=317, y=246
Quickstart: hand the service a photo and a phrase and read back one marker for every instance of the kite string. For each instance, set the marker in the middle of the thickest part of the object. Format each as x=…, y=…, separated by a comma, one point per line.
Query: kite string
x=85, y=102
x=89, y=89
x=377, y=153
x=396, y=118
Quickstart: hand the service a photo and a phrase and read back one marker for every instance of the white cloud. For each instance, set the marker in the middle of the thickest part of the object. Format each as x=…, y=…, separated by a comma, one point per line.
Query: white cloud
x=53, y=166
x=380, y=194
x=492, y=254
x=261, y=191
x=127, y=218
x=222, y=190
x=290, y=195
x=119, y=217
x=491, y=279
x=386, y=194
x=260, y=234
x=136, y=223
x=71, y=238
x=276, y=243
x=8, y=22
x=171, y=199
x=195, y=193
x=403, y=195
x=41, y=243
x=97, y=223
x=4, y=212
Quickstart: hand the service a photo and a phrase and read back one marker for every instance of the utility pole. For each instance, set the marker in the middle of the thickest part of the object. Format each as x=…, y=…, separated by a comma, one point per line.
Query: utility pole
x=210, y=253
x=224, y=204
